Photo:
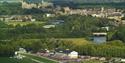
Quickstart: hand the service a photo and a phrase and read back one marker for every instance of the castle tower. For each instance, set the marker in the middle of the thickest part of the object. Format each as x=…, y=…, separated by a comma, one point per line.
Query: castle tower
x=102, y=12
x=102, y=9
x=42, y=1
x=24, y=4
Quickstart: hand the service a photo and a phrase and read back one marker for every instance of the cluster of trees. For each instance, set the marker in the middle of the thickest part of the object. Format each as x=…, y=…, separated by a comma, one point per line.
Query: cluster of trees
x=111, y=49
x=10, y=8
x=120, y=33
x=7, y=49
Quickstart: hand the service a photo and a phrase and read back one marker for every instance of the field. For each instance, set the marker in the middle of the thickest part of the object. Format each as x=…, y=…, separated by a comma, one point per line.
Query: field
x=75, y=41
x=22, y=23
x=13, y=60
x=36, y=60
x=91, y=61
x=27, y=59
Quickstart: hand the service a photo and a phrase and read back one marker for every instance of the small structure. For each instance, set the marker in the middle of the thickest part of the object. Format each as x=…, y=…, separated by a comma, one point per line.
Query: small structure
x=105, y=28
x=53, y=24
x=18, y=55
x=66, y=54
x=49, y=26
x=56, y=22
x=49, y=15
x=22, y=50
x=73, y=55
x=99, y=37
x=122, y=60
x=123, y=22
x=102, y=59
x=117, y=60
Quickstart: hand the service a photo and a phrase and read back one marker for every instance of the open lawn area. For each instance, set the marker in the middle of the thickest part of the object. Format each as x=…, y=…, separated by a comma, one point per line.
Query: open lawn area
x=13, y=60
x=89, y=61
x=27, y=59
x=92, y=61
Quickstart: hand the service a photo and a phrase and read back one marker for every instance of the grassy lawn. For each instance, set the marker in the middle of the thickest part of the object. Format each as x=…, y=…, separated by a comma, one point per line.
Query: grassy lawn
x=27, y=59
x=13, y=60
x=91, y=61
x=42, y=59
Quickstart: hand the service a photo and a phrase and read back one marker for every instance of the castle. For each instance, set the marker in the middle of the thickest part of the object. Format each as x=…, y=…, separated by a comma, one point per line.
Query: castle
x=28, y=4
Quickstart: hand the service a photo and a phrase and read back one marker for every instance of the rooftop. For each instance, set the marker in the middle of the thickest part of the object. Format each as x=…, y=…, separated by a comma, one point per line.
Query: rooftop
x=99, y=33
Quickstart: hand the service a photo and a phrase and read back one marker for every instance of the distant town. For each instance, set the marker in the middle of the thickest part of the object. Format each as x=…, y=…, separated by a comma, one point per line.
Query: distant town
x=101, y=12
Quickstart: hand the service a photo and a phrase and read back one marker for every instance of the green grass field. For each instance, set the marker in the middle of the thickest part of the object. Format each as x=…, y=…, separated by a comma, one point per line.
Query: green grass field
x=41, y=59
x=13, y=60
x=22, y=23
x=27, y=59
x=91, y=61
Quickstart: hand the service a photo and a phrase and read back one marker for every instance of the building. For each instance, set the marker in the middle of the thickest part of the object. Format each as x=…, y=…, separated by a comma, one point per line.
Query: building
x=73, y=55
x=99, y=37
x=5, y=18
x=49, y=15
x=56, y=22
x=28, y=4
x=22, y=50
x=123, y=22
x=67, y=53
x=116, y=15
x=18, y=18
x=53, y=24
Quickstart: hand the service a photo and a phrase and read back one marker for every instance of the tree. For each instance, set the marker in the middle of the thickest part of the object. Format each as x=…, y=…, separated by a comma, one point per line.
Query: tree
x=120, y=34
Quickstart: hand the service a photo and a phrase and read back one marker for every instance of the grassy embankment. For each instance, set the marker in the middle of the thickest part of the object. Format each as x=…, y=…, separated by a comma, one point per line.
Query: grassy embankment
x=27, y=59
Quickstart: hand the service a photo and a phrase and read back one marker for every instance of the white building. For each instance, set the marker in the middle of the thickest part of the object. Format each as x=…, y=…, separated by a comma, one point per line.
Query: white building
x=73, y=55
x=122, y=60
x=22, y=50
